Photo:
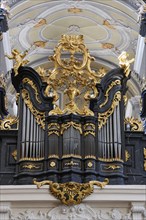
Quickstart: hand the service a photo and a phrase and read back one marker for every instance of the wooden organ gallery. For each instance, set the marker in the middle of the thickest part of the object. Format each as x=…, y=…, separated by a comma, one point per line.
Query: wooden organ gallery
x=85, y=142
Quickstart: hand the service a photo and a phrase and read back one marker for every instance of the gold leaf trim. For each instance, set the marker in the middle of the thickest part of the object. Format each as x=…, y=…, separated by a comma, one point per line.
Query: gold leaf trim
x=134, y=123
x=53, y=156
x=102, y=117
x=14, y=154
x=71, y=193
x=31, y=83
x=114, y=83
x=30, y=166
x=144, y=152
x=69, y=124
x=31, y=159
x=39, y=116
x=71, y=155
x=110, y=160
x=6, y=124
x=127, y=155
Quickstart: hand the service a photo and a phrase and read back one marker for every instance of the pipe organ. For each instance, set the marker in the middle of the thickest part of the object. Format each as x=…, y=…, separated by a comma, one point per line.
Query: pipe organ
x=81, y=142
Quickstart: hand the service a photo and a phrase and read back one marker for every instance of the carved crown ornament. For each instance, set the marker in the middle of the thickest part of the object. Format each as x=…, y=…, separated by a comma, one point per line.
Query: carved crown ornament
x=71, y=193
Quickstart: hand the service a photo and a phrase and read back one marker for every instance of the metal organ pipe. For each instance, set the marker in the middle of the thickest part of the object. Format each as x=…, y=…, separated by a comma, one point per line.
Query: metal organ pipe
x=32, y=136
x=109, y=137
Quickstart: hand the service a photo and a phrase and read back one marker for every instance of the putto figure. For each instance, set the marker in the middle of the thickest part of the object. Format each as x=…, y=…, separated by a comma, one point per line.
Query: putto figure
x=124, y=62
x=18, y=57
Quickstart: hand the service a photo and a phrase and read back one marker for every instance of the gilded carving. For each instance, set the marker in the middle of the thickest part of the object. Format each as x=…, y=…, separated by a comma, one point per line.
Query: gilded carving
x=124, y=63
x=31, y=159
x=31, y=83
x=102, y=117
x=89, y=128
x=7, y=123
x=110, y=160
x=19, y=59
x=114, y=83
x=52, y=164
x=14, y=154
x=71, y=163
x=144, y=153
x=144, y=165
x=30, y=166
x=71, y=155
x=90, y=164
x=69, y=124
x=53, y=156
x=112, y=167
x=71, y=193
x=135, y=124
x=90, y=157
x=74, y=76
x=127, y=155
x=39, y=116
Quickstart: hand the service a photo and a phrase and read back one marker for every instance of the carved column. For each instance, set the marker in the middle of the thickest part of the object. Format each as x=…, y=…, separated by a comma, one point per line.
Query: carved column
x=4, y=211
x=138, y=210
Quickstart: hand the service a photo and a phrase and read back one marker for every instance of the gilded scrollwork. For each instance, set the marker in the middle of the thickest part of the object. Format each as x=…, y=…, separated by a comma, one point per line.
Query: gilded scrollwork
x=73, y=76
x=113, y=83
x=135, y=124
x=71, y=193
x=112, y=167
x=39, y=116
x=31, y=83
x=8, y=122
x=65, y=126
x=102, y=117
x=30, y=166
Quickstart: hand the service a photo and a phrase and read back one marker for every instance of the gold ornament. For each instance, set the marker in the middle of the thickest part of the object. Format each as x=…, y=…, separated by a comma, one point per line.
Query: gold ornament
x=6, y=124
x=18, y=57
x=134, y=123
x=73, y=76
x=127, y=155
x=71, y=193
x=124, y=63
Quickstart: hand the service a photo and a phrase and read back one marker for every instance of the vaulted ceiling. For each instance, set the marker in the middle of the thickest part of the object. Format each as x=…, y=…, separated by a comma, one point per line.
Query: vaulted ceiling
x=108, y=27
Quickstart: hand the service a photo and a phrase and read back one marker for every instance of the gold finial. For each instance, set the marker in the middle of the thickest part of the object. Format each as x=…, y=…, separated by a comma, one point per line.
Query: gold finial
x=18, y=57
x=124, y=63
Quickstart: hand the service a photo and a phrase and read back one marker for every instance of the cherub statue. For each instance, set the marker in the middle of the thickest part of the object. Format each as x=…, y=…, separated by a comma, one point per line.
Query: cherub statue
x=18, y=57
x=124, y=62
